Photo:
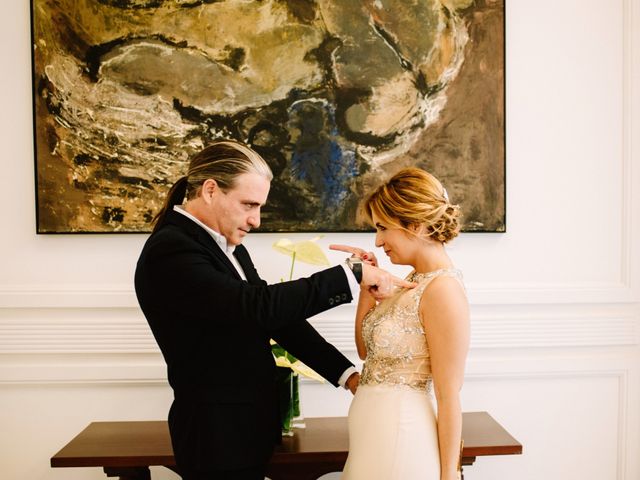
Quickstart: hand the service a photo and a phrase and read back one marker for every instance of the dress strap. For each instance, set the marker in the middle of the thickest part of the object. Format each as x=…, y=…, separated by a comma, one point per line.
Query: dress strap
x=424, y=279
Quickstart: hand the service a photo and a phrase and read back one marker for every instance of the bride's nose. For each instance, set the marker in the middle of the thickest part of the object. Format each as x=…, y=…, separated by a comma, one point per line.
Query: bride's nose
x=379, y=241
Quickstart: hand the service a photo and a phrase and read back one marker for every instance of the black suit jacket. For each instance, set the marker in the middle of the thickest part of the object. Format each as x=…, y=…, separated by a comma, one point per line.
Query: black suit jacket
x=213, y=329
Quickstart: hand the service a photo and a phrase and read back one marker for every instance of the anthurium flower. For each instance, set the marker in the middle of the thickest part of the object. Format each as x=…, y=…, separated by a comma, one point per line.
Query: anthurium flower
x=286, y=360
x=307, y=251
x=299, y=368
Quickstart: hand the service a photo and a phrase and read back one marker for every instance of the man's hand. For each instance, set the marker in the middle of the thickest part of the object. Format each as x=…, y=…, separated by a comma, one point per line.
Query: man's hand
x=353, y=381
x=366, y=257
x=380, y=283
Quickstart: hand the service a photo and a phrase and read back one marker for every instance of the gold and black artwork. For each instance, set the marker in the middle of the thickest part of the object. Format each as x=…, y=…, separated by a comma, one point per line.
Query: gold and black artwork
x=336, y=95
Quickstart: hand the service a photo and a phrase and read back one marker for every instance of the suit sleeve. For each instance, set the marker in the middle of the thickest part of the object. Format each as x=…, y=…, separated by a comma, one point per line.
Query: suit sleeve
x=301, y=338
x=305, y=343
x=178, y=268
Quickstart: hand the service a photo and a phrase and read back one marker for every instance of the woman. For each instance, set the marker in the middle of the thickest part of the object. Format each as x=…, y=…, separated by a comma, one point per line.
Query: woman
x=414, y=343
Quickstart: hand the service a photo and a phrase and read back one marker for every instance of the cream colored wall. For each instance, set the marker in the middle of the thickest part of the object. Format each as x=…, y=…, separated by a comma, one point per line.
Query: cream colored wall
x=556, y=300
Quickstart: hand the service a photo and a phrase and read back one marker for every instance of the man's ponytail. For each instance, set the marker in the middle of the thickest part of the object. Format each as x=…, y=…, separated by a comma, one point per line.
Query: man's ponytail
x=175, y=197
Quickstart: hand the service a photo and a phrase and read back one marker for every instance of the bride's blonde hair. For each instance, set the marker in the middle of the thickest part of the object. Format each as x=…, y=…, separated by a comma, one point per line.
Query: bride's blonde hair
x=414, y=198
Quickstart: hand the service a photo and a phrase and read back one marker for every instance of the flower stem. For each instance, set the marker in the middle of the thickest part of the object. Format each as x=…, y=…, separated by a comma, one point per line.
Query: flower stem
x=293, y=261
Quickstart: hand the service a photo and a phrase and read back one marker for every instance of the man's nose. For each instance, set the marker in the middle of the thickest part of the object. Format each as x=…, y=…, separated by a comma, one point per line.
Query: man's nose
x=254, y=221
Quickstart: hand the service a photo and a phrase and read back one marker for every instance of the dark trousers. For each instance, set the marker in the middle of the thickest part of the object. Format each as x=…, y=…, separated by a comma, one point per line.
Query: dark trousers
x=254, y=473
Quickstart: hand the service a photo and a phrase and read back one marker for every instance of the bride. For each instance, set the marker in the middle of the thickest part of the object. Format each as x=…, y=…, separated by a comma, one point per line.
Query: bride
x=414, y=343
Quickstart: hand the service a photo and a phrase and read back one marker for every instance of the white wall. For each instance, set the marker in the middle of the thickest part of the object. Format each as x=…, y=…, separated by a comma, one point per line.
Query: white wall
x=556, y=300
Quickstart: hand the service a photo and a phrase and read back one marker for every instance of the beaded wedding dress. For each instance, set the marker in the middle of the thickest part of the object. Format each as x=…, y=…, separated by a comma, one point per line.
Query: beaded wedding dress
x=392, y=419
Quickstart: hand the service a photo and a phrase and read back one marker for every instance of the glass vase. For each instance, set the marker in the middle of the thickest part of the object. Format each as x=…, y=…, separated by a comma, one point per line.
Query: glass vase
x=289, y=399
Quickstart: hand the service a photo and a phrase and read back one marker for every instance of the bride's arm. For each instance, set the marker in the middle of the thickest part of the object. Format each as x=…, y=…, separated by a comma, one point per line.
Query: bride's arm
x=365, y=303
x=445, y=316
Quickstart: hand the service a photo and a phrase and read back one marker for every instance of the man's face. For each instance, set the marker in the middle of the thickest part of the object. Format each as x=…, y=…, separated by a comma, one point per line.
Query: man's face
x=234, y=213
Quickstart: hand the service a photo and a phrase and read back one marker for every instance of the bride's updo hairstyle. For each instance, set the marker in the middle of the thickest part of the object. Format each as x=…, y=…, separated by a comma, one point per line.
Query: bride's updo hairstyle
x=413, y=197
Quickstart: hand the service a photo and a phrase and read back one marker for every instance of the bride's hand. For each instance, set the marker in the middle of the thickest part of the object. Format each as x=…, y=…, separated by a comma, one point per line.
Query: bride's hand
x=352, y=382
x=366, y=257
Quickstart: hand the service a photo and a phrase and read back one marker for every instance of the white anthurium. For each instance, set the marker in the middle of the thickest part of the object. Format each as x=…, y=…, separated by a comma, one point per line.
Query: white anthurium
x=306, y=251
x=286, y=360
x=299, y=368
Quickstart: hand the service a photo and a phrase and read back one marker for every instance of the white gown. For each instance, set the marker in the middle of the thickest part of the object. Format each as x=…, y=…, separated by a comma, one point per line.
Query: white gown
x=392, y=419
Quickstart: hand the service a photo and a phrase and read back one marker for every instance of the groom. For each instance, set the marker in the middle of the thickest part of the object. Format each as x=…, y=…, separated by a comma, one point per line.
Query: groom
x=212, y=316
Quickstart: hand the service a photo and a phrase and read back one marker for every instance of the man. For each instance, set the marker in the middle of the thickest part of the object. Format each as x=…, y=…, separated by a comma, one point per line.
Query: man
x=213, y=316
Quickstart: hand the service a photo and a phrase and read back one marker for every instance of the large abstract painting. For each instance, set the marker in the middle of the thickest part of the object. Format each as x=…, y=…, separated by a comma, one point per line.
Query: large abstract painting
x=336, y=95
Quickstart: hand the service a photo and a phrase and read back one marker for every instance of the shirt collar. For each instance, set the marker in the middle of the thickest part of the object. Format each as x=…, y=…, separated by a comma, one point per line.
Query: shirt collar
x=218, y=238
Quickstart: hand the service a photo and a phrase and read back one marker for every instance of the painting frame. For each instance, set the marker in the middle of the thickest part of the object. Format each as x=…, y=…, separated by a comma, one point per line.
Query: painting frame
x=51, y=187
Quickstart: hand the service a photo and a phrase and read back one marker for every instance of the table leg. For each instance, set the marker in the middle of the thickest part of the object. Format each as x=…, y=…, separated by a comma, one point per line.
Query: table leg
x=466, y=461
x=128, y=473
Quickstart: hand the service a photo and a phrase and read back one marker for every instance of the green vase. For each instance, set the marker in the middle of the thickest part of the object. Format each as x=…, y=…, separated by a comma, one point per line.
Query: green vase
x=289, y=393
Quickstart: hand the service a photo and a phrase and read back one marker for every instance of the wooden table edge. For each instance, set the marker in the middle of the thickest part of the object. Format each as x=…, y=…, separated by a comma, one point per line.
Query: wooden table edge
x=469, y=453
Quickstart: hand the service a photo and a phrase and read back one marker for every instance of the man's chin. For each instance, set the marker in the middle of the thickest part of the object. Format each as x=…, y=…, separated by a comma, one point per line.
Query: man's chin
x=240, y=237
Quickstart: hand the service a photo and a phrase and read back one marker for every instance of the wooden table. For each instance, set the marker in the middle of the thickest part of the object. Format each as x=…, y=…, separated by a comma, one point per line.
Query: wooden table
x=128, y=449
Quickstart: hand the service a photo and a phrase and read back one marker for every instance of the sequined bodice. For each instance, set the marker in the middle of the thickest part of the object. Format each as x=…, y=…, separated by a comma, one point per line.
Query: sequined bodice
x=397, y=350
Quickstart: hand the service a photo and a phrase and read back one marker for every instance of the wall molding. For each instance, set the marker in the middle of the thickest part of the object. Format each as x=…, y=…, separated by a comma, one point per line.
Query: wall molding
x=625, y=418
x=67, y=296
x=149, y=368
x=123, y=295
x=87, y=370
x=525, y=326
x=555, y=328
x=628, y=253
